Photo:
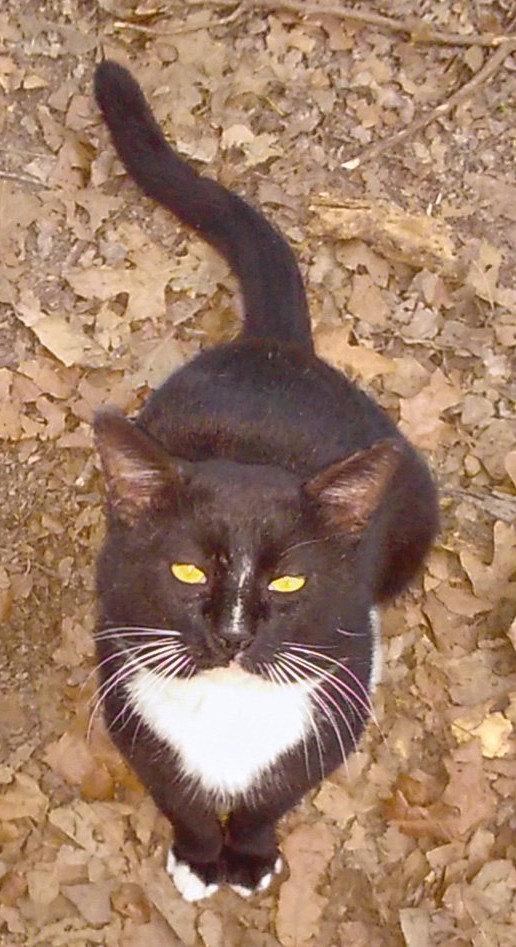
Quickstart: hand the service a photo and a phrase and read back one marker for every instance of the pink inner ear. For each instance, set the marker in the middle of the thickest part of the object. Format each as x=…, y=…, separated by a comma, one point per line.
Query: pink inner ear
x=351, y=489
x=137, y=469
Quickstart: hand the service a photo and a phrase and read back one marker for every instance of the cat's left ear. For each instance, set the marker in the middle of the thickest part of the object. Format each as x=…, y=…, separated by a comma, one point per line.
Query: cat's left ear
x=350, y=490
x=139, y=473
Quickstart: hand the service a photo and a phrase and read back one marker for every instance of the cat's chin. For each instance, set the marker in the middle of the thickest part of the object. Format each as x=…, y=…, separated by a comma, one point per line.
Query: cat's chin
x=237, y=665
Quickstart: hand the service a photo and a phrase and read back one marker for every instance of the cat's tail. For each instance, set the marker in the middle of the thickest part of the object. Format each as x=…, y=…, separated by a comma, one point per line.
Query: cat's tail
x=274, y=297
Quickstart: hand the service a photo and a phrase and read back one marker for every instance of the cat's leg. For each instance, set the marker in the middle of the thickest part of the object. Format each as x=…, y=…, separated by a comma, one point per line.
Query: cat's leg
x=194, y=860
x=251, y=855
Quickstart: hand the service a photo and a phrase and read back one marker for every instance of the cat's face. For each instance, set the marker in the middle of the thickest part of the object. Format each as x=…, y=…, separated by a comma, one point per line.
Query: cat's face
x=216, y=563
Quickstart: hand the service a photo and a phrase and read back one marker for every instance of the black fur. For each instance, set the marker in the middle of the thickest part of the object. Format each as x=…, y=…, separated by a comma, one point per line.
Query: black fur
x=257, y=450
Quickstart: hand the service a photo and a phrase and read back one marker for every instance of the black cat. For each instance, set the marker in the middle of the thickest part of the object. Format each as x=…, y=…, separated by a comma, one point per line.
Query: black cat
x=259, y=508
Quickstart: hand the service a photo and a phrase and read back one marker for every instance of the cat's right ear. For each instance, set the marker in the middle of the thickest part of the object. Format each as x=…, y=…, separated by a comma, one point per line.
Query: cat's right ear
x=139, y=473
x=350, y=490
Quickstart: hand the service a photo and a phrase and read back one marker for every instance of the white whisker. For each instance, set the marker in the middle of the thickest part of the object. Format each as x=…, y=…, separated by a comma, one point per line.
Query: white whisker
x=347, y=692
x=120, y=675
x=134, y=631
x=316, y=696
x=365, y=701
x=351, y=634
x=279, y=677
x=322, y=678
x=130, y=667
x=168, y=670
x=340, y=710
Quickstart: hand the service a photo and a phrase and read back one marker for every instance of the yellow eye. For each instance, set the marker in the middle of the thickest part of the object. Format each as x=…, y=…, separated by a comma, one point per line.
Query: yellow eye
x=287, y=583
x=188, y=572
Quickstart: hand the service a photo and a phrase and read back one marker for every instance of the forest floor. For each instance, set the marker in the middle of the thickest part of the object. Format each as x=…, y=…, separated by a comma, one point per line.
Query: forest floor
x=406, y=242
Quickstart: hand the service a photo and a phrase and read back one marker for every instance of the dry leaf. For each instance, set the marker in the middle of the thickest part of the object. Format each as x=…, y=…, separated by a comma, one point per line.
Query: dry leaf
x=420, y=416
x=211, y=929
x=512, y=634
x=23, y=800
x=413, y=238
x=156, y=364
x=468, y=791
x=493, y=732
x=156, y=933
x=460, y=601
x=66, y=341
x=415, y=927
x=358, y=361
x=10, y=408
x=308, y=850
x=483, y=273
x=43, y=885
x=165, y=897
x=92, y=900
x=510, y=465
x=493, y=444
x=366, y=301
x=336, y=803
x=73, y=759
x=493, y=581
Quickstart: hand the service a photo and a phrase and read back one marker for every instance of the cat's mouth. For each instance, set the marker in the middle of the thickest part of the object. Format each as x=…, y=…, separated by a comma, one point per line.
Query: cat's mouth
x=237, y=663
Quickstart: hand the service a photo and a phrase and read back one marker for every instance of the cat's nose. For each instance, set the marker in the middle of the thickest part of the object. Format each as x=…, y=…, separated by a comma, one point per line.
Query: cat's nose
x=236, y=637
x=234, y=627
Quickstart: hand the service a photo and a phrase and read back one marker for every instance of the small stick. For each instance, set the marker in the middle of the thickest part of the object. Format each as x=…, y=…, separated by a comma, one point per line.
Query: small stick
x=20, y=178
x=501, y=506
x=179, y=30
x=488, y=69
x=416, y=29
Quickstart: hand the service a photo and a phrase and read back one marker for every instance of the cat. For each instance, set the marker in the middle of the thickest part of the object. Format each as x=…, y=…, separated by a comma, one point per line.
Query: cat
x=259, y=509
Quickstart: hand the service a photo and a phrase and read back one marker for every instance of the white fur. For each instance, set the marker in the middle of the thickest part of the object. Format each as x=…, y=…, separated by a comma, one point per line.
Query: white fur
x=263, y=883
x=377, y=662
x=187, y=882
x=238, y=610
x=228, y=726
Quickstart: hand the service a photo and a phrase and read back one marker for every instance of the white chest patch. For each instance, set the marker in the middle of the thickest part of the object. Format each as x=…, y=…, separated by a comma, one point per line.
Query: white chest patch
x=228, y=726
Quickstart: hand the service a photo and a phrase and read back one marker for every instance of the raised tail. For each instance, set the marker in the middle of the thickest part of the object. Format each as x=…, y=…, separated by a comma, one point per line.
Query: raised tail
x=274, y=297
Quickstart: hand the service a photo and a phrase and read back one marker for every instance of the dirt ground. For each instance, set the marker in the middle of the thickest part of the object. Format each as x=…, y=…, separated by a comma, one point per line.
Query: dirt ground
x=406, y=242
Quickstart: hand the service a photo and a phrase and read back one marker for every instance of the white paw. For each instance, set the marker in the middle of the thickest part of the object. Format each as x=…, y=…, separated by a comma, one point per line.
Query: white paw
x=242, y=891
x=263, y=883
x=189, y=885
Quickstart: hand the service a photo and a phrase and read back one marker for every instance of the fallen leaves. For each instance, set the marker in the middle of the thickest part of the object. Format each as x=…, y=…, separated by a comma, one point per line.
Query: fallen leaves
x=466, y=802
x=496, y=580
x=411, y=238
x=421, y=415
x=161, y=892
x=23, y=800
x=358, y=361
x=308, y=850
x=493, y=731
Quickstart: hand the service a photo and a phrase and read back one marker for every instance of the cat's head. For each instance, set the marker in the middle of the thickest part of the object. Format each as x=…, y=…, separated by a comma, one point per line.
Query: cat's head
x=229, y=562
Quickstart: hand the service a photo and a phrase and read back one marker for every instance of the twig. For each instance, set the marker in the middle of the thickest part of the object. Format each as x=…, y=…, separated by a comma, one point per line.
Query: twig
x=186, y=28
x=488, y=69
x=415, y=28
x=501, y=506
x=20, y=178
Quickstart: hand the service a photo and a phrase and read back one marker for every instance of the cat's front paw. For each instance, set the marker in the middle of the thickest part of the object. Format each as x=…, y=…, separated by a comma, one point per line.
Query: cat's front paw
x=250, y=874
x=193, y=882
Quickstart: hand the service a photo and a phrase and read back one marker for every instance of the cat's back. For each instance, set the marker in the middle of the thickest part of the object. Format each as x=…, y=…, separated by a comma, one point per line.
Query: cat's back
x=260, y=402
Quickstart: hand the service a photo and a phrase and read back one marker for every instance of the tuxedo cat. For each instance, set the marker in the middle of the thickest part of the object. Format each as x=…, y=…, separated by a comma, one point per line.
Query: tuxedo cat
x=259, y=508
